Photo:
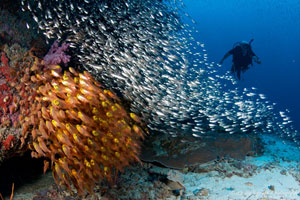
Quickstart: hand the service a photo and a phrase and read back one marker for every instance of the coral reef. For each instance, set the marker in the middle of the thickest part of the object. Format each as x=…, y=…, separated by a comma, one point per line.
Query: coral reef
x=14, y=29
x=13, y=60
x=13, y=99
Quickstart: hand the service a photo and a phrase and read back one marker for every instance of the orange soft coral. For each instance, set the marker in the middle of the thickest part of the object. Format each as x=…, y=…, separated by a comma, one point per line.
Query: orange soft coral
x=81, y=127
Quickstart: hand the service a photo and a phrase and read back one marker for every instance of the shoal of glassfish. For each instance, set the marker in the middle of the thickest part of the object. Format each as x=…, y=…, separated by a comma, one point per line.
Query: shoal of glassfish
x=143, y=49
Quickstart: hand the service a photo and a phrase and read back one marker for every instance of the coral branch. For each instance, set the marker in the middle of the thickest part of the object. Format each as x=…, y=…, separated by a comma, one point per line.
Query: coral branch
x=56, y=55
x=6, y=70
x=8, y=142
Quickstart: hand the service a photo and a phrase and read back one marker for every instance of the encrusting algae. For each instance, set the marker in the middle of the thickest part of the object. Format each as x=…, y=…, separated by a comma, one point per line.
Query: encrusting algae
x=68, y=118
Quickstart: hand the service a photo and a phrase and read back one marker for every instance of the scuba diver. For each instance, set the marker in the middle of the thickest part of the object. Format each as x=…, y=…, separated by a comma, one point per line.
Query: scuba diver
x=242, y=56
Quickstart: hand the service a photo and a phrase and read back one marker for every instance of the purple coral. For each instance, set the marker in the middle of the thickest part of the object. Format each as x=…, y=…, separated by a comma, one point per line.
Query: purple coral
x=57, y=55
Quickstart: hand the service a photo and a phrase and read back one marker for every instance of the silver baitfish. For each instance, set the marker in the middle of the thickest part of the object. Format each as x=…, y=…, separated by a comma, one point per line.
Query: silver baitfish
x=142, y=49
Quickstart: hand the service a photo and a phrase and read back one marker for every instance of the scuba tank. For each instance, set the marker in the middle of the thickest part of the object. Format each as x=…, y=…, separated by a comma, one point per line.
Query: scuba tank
x=242, y=42
x=246, y=46
x=251, y=41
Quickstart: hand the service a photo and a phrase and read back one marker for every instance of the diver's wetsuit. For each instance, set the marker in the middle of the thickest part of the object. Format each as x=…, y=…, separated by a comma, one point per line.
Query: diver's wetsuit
x=240, y=61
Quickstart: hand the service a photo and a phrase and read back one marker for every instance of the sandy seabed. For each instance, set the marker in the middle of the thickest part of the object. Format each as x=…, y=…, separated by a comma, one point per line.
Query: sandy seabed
x=273, y=175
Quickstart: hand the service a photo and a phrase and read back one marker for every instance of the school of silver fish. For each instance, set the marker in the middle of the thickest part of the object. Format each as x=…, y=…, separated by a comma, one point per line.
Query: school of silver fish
x=146, y=51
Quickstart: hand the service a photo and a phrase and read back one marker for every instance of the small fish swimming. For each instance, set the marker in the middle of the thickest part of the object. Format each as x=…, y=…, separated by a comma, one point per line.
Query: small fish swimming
x=143, y=50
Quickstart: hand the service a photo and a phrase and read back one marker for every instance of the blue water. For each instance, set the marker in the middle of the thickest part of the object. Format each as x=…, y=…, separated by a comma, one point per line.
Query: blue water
x=275, y=27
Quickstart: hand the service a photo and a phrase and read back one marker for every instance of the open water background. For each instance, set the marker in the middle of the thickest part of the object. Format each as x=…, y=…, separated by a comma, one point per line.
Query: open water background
x=275, y=27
